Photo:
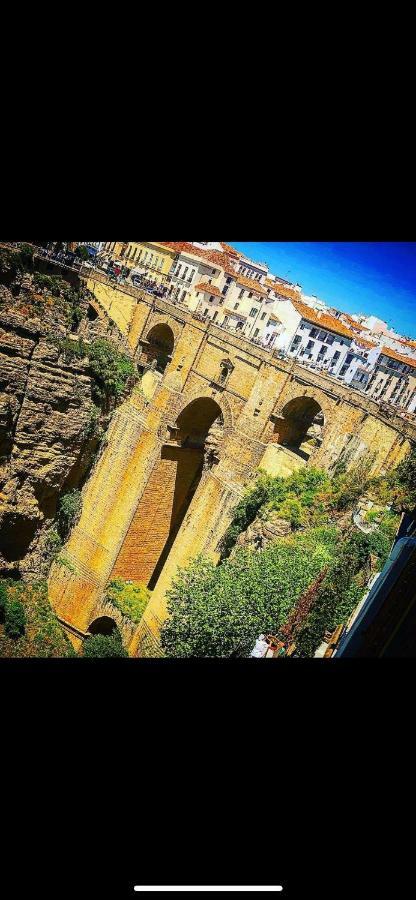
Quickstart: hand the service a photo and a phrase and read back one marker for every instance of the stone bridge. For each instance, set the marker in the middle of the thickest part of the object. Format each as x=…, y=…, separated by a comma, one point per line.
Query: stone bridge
x=211, y=409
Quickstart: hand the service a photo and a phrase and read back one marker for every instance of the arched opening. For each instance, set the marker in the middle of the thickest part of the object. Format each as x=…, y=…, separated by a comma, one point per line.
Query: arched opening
x=104, y=625
x=92, y=313
x=192, y=446
x=158, y=347
x=300, y=426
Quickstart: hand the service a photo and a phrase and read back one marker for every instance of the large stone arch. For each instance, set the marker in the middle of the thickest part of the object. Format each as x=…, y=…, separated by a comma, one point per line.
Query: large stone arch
x=218, y=397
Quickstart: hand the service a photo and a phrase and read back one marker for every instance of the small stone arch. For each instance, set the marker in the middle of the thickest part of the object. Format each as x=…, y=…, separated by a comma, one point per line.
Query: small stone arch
x=158, y=346
x=104, y=625
x=295, y=391
x=300, y=426
x=107, y=616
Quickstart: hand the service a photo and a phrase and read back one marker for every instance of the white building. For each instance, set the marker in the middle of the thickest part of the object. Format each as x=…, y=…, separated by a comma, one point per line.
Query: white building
x=313, y=337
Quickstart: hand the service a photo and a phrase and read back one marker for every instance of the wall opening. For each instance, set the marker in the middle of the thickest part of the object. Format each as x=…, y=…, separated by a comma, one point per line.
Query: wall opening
x=300, y=427
x=192, y=447
x=104, y=625
x=159, y=346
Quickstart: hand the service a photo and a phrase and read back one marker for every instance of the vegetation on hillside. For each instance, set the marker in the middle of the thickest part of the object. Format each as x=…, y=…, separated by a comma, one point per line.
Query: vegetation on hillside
x=299, y=587
x=28, y=625
x=113, y=370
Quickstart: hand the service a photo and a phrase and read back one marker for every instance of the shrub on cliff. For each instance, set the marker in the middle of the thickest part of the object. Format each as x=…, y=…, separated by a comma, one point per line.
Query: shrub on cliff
x=112, y=369
x=345, y=584
x=14, y=618
x=70, y=506
x=130, y=597
x=102, y=646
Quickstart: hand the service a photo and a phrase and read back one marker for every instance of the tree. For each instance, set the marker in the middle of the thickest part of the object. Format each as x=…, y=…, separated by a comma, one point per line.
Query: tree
x=219, y=611
x=82, y=253
x=14, y=618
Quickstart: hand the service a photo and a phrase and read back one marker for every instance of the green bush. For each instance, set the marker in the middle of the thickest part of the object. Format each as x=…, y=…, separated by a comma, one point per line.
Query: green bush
x=14, y=618
x=70, y=506
x=102, y=646
x=112, y=369
x=3, y=600
x=130, y=597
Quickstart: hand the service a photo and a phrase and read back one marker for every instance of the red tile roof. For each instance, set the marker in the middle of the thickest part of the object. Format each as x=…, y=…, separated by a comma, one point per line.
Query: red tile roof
x=231, y=250
x=369, y=345
x=215, y=257
x=209, y=289
x=283, y=289
x=252, y=285
x=386, y=351
x=322, y=319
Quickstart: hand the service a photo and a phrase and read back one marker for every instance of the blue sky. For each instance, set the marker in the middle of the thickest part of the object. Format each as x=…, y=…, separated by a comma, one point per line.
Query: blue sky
x=376, y=278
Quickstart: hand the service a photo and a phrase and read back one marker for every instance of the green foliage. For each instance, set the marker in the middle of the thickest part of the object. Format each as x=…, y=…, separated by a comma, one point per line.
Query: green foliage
x=33, y=629
x=82, y=253
x=14, y=618
x=112, y=369
x=3, y=600
x=400, y=484
x=26, y=256
x=344, y=585
x=53, y=543
x=219, y=611
x=130, y=597
x=301, y=499
x=93, y=427
x=10, y=265
x=70, y=506
x=101, y=646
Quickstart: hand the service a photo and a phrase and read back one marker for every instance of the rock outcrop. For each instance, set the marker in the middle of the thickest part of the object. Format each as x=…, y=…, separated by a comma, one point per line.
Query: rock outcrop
x=264, y=531
x=45, y=435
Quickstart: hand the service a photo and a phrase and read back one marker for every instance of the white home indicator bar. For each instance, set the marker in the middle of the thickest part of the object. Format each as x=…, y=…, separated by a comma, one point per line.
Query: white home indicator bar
x=227, y=887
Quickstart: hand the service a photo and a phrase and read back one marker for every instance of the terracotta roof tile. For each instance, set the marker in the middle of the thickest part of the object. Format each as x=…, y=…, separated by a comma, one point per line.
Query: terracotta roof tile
x=209, y=289
x=252, y=285
x=325, y=321
x=369, y=345
x=386, y=351
x=231, y=250
x=283, y=289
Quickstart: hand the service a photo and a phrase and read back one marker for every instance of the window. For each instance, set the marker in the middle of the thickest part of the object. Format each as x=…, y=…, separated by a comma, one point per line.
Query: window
x=241, y=295
x=322, y=351
x=336, y=355
x=256, y=332
x=329, y=339
x=250, y=295
x=263, y=316
x=184, y=272
x=310, y=345
x=253, y=312
x=314, y=332
x=236, y=305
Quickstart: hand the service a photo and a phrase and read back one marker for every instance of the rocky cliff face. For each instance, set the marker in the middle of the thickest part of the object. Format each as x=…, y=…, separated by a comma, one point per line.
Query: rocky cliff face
x=45, y=435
